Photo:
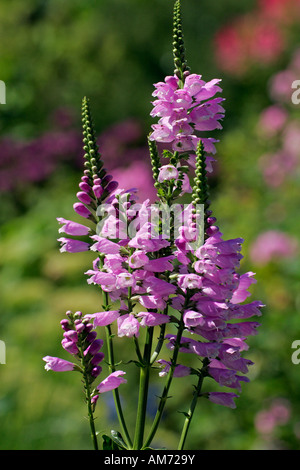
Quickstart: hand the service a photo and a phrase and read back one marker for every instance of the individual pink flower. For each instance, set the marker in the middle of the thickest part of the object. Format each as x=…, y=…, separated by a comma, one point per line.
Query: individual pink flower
x=114, y=380
x=138, y=259
x=128, y=326
x=167, y=173
x=124, y=280
x=223, y=398
x=179, y=370
x=160, y=265
x=58, y=365
x=152, y=318
x=72, y=246
x=72, y=228
x=272, y=245
x=103, y=318
x=241, y=293
x=82, y=210
x=103, y=245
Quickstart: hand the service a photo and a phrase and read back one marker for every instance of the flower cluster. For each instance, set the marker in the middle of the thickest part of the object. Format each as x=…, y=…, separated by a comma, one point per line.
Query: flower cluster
x=80, y=340
x=215, y=313
x=163, y=266
x=184, y=110
x=145, y=268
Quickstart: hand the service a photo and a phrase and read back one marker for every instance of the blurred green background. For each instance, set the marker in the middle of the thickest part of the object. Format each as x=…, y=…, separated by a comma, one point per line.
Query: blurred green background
x=52, y=54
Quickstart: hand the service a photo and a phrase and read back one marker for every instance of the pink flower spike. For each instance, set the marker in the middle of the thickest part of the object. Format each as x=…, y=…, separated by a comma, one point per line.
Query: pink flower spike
x=223, y=398
x=58, y=365
x=111, y=382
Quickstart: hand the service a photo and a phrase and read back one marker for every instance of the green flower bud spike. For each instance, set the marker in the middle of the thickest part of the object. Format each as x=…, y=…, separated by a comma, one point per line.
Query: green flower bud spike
x=178, y=45
x=93, y=161
x=200, y=189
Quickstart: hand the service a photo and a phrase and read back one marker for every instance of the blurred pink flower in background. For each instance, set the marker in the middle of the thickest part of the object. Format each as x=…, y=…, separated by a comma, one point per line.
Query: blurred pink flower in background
x=271, y=246
x=251, y=39
x=291, y=139
x=284, y=11
x=278, y=414
x=281, y=85
x=272, y=120
x=123, y=145
x=258, y=37
x=138, y=175
x=277, y=121
x=276, y=167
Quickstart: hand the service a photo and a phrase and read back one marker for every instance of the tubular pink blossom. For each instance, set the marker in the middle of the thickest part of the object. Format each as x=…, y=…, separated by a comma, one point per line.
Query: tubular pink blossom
x=103, y=245
x=179, y=370
x=72, y=228
x=58, y=365
x=223, y=398
x=103, y=318
x=111, y=382
x=152, y=318
x=128, y=326
x=80, y=209
x=72, y=246
x=167, y=172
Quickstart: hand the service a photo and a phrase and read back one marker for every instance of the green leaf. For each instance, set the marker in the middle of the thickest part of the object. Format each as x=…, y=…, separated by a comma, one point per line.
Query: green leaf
x=118, y=440
x=107, y=442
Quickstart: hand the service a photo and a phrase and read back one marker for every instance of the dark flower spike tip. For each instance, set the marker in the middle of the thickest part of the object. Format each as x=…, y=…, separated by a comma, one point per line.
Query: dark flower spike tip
x=178, y=44
x=93, y=161
x=200, y=189
x=155, y=161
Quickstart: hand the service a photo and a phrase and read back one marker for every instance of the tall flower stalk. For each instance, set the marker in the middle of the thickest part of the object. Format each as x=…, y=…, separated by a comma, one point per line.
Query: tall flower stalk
x=164, y=268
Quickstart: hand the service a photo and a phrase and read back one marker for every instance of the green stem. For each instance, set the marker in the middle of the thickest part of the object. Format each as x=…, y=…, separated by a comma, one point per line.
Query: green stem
x=143, y=392
x=112, y=368
x=160, y=343
x=164, y=396
x=86, y=379
x=190, y=413
x=90, y=411
x=115, y=392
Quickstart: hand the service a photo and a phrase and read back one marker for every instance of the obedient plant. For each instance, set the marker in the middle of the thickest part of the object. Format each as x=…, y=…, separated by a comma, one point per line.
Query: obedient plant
x=167, y=279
